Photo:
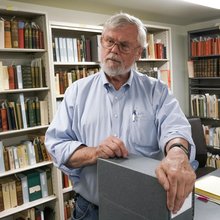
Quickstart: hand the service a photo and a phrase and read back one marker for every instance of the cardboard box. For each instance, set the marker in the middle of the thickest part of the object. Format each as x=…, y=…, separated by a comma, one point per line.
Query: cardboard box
x=129, y=190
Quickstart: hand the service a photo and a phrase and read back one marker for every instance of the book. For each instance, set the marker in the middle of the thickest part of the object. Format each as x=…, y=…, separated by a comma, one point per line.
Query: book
x=15, y=155
x=11, y=157
x=3, y=112
x=30, y=152
x=49, y=180
x=11, y=77
x=6, y=159
x=2, y=34
x=13, y=193
x=19, y=190
x=2, y=164
x=22, y=155
x=5, y=78
x=21, y=34
x=14, y=33
x=6, y=193
x=207, y=187
x=23, y=110
x=44, y=114
x=1, y=198
x=95, y=48
x=19, y=76
x=43, y=182
x=34, y=185
x=24, y=185
x=7, y=28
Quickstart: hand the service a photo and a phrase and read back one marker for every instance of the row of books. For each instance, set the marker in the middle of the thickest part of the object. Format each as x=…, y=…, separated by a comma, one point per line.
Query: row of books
x=212, y=136
x=35, y=213
x=81, y=49
x=155, y=48
x=205, y=105
x=22, y=155
x=205, y=45
x=25, y=187
x=213, y=160
x=163, y=75
x=69, y=206
x=63, y=79
x=22, y=113
x=22, y=76
x=21, y=34
x=66, y=181
x=204, y=68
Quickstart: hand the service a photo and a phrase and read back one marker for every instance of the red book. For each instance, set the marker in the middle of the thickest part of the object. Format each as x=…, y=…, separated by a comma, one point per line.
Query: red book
x=11, y=76
x=41, y=39
x=3, y=113
x=21, y=34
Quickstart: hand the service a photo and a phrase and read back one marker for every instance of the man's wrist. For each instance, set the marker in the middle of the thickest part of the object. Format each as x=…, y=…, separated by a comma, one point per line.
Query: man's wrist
x=182, y=147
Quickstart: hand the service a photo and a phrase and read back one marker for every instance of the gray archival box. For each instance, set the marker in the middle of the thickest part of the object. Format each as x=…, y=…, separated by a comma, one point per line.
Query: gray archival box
x=129, y=190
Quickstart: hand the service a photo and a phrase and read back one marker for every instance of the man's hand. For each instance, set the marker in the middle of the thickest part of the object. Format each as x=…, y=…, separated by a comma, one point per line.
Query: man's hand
x=85, y=156
x=177, y=177
x=111, y=147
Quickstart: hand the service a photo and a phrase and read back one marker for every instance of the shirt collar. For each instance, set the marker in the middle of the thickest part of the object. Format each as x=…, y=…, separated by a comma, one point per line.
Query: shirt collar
x=106, y=82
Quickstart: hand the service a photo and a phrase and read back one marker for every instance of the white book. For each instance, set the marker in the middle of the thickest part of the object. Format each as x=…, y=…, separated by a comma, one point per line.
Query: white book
x=44, y=112
x=43, y=182
x=15, y=154
x=23, y=112
x=69, y=78
x=57, y=49
x=2, y=165
x=2, y=34
x=19, y=77
x=30, y=152
x=70, y=57
x=57, y=83
x=1, y=77
x=5, y=80
x=75, y=53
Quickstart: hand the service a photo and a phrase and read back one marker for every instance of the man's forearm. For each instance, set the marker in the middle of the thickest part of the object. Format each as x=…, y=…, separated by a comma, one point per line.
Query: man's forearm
x=83, y=156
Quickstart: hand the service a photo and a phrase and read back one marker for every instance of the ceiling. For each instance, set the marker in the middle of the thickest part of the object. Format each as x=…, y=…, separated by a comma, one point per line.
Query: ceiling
x=164, y=11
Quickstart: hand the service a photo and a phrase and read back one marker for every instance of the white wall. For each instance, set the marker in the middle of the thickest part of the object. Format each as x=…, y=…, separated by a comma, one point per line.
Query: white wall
x=178, y=36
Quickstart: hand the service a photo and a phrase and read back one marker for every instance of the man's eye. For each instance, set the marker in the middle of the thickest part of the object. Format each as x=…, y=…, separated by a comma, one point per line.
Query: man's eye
x=125, y=46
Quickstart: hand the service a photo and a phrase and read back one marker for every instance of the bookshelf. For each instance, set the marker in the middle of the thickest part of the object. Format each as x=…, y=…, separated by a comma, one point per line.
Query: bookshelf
x=204, y=85
x=25, y=96
x=155, y=60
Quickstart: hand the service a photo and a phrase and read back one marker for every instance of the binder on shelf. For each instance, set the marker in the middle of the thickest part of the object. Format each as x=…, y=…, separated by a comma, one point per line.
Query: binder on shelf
x=139, y=198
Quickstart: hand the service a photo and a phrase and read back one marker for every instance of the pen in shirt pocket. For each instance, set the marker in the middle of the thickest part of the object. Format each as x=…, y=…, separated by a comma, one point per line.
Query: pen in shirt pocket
x=134, y=115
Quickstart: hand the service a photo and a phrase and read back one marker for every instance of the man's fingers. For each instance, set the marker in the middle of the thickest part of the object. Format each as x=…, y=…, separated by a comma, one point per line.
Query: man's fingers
x=162, y=178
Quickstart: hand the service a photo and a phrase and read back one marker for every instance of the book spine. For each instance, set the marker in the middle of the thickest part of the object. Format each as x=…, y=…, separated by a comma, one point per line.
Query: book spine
x=21, y=34
x=14, y=33
x=7, y=31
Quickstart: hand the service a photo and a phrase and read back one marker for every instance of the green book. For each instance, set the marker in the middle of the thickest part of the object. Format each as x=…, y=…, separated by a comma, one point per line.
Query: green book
x=34, y=185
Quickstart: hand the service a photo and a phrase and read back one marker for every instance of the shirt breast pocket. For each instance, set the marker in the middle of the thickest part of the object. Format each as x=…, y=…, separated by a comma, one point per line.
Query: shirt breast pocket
x=142, y=131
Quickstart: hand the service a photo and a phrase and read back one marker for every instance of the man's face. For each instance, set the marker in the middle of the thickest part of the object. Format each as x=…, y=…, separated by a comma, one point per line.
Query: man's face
x=119, y=50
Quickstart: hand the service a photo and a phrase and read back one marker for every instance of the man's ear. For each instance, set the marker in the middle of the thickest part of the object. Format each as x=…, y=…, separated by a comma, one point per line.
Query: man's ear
x=138, y=54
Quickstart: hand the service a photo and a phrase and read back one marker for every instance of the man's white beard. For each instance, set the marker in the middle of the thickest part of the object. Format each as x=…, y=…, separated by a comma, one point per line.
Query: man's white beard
x=114, y=71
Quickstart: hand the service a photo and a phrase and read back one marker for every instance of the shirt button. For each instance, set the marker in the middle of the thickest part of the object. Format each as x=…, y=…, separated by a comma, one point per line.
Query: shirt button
x=116, y=115
x=116, y=98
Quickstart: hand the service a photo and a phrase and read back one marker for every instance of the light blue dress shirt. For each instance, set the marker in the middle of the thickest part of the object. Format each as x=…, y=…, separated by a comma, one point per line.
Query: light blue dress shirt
x=142, y=113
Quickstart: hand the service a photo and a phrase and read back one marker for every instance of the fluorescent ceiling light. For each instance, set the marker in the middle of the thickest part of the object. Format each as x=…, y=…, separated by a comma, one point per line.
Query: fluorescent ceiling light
x=208, y=3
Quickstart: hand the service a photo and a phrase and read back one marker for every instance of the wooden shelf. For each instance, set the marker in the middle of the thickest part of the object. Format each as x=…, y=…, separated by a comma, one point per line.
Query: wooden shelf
x=25, y=206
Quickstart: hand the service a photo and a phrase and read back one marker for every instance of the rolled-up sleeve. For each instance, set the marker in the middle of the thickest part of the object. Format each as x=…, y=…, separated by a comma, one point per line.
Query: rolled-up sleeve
x=171, y=121
x=60, y=139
